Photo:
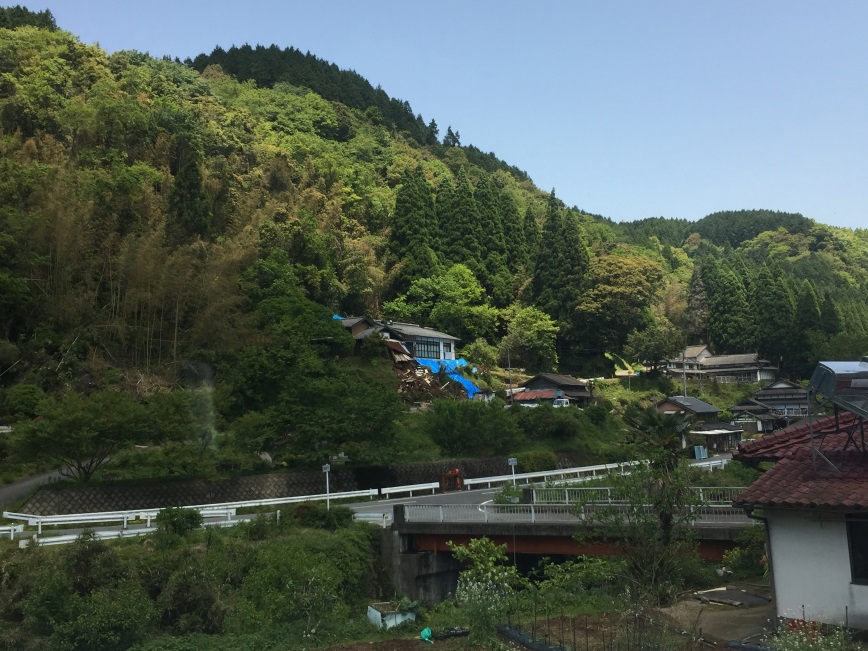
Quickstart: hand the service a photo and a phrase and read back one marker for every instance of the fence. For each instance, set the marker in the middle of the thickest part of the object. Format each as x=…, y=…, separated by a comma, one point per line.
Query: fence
x=456, y=513
x=717, y=495
x=551, y=513
x=575, y=474
x=547, y=627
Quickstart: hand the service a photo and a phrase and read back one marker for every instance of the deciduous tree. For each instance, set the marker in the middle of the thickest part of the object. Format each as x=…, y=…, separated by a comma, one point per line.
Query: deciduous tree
x=81, y=433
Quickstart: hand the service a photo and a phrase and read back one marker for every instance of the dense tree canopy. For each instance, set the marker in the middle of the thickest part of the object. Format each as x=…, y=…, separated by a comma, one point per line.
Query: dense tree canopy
x=165, y=224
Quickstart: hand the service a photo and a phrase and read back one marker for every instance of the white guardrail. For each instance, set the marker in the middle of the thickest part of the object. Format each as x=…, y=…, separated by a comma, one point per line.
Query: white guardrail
x=548, y=513
x=228, y=510
x=706, y=495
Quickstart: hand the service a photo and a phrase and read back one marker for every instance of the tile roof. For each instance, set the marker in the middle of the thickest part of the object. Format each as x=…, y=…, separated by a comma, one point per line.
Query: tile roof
x=749, y=359
x=562, y=380
x=693, y=351
x=415, y=330
x=750, y=405
x=787, y=441
x=692, y=404
x=794, y=483
x=364, y=334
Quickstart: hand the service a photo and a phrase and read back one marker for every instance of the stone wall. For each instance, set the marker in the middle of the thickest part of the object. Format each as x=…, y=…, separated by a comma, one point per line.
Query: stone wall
x=124, y=496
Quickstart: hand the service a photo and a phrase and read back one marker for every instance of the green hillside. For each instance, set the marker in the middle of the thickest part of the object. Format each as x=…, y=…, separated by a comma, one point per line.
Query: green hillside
x=170, y=229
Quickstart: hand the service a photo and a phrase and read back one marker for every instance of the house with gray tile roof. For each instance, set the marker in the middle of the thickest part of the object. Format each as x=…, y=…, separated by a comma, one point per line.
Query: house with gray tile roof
x=420, y=341
x=698, y=362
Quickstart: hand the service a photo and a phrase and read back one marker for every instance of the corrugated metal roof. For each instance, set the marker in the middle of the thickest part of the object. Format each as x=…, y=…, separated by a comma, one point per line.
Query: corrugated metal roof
x=716, y=427
x=538, y=394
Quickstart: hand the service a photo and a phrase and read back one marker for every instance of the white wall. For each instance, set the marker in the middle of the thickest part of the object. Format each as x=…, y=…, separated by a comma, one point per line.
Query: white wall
x=811, y=565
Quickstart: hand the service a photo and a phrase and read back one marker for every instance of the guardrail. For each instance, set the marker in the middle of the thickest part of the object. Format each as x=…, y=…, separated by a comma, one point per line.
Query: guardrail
x=534, y=513
x=228, y=509
x=711, y=464
x=11, y=530
x=717, y=495
x=108, y=516
x=575, y=474
x=225, y=509
x=67, y=539
x=382, y=519
x=410, y=489
x=370, y=493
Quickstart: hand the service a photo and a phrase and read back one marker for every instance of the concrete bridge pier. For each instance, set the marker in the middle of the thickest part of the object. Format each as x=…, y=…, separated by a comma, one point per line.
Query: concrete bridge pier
x=426, y=576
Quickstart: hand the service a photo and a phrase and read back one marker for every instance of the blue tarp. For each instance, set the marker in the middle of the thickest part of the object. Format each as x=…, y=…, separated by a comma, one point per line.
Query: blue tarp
x=450, y=367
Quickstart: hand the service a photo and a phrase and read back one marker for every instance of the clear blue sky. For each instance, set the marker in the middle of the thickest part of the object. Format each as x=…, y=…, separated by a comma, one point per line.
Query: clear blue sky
x=628, y=109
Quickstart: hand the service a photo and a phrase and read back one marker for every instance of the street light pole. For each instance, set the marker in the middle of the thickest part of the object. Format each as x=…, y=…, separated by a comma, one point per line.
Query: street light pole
x=509, y=370
x=326, y=469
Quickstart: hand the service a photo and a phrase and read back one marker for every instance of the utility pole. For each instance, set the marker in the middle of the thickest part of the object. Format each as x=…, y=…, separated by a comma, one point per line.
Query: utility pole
x=684, y=371
x=509, y=370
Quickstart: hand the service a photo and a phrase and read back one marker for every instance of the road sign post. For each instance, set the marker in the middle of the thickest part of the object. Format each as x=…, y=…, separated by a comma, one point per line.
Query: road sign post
x=326, y=468
x=513, y=462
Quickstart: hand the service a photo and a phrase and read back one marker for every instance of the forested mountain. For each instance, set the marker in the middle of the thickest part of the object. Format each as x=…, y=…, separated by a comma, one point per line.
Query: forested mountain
x=268, y=66
x=165, y=224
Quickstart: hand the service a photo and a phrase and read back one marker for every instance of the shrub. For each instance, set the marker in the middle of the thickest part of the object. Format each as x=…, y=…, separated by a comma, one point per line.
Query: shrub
x=315, y=515
x=748, y=559
x=178, y=521
x=22, y=399
x=536, y=461
x=598, y=414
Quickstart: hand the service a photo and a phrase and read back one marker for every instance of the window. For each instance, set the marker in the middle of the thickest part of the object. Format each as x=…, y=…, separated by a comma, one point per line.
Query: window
x=857, y=535
x=427, y=348
x=447, y=346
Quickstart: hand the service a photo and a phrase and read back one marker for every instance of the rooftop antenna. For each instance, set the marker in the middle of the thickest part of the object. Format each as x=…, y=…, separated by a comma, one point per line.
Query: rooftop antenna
x=812, y=393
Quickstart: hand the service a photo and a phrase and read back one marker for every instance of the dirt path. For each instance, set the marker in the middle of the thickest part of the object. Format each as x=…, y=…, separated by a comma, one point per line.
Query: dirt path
x=720, y=623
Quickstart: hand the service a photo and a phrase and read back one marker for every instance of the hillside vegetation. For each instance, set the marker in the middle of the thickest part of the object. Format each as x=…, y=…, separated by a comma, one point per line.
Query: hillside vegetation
x=177, y=237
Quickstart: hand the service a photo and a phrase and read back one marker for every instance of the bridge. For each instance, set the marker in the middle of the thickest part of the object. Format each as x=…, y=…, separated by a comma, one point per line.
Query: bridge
x=416, y=546
x=417, y=523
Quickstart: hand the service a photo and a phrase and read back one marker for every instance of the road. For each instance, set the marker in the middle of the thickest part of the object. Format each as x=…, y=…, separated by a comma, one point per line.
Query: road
x=382, y=509
x=21, y=488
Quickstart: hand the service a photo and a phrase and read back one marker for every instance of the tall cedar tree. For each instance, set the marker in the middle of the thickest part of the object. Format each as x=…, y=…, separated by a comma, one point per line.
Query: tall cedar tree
x=697, y=308
x=728, y=310
x=18, y=16
x=772, y=311
x=561, y=264
x=459, y=226
x=513, y=233
x=414, y=221
x=495, y=274
x=830, y=316
x=414, y=230
x=531, y=237
x=806, y=332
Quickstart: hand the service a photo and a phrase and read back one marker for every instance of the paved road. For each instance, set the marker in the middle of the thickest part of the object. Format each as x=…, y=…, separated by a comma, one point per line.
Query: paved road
x=381, y=508
x=21, y=488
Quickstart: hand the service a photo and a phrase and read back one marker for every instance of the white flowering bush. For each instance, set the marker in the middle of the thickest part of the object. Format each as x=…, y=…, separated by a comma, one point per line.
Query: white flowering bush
x=486, y=587
x=802, y=635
